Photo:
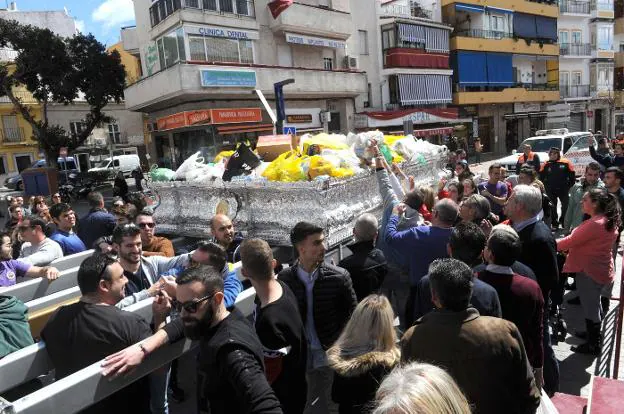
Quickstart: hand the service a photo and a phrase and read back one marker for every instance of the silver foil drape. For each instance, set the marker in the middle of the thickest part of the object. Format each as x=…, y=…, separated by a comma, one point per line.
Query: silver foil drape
x=270, y=210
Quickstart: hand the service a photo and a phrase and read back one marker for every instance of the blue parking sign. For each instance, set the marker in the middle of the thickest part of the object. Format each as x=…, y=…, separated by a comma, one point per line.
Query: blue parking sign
x=290, y=131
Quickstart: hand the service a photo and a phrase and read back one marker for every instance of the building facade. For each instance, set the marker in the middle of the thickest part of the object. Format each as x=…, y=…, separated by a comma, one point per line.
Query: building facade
x=202, y=62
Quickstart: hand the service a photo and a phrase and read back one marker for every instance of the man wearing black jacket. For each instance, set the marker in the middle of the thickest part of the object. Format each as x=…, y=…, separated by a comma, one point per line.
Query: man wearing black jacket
x=558, y=177
x=539, y=252
x=326, y=300
x=367, y=265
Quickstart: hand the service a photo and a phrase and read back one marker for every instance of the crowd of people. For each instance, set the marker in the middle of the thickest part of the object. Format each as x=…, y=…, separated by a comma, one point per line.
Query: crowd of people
x=443, y=305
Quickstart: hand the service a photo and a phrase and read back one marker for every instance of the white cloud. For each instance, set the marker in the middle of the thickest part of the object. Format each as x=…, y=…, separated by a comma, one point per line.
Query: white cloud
x=80, y=26
x=114, y=12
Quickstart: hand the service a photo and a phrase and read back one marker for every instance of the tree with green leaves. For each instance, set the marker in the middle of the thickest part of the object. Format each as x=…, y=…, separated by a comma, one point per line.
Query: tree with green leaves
x=59, y=70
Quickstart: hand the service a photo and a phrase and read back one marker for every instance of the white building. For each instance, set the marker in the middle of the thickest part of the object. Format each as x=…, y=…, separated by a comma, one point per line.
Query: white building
x=203, y=60
x=586, y=63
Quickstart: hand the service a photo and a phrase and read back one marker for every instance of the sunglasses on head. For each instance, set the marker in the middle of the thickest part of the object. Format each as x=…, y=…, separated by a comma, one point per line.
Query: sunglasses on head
x=191, y=307
x=144, y=225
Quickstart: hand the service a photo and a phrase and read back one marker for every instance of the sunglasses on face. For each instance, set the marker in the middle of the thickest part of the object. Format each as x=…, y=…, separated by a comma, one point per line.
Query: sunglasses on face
x=148, y=225
x=191, y=307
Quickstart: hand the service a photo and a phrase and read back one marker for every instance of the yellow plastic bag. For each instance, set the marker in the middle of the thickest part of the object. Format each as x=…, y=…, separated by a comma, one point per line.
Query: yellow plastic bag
x=322, y=166
x=287, y=167
x=324, y=141
x=222, y=155
x=274, y=170
x=389, y=140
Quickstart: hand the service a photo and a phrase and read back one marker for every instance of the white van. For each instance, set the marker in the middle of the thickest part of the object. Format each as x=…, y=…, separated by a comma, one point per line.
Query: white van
x=124, y=163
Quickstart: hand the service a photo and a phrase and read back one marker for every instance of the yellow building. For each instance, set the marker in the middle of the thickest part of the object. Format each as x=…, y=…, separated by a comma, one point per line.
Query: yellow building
x=505, y=58
x=18, y=150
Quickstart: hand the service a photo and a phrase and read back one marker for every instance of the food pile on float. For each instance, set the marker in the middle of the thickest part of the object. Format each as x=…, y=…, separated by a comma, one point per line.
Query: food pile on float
x=327, y=179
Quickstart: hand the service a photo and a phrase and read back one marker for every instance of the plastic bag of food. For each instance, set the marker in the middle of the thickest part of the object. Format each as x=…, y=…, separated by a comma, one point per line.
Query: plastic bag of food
x=191, y=163
x=161, y=174
x=222, y=155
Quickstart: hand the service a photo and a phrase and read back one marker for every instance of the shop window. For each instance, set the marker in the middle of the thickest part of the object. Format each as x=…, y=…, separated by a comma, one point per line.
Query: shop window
x=216, y=49
x=197, y=48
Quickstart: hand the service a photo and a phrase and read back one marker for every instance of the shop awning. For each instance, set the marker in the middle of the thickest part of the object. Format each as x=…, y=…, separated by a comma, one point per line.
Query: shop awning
x=412, y=33
x=498, y=10
x=499, y=69
x=239, y=129
x=469, y=8
x=432, y=131
x=471, y=68
x=524, y=25
x=546, y=28
x=436, y=40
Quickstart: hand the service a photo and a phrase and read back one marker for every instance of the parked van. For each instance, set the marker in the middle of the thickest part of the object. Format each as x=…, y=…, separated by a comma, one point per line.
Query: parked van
x=124, y=163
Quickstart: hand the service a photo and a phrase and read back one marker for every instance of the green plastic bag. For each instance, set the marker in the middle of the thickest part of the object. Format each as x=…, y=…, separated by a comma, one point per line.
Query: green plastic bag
x=162, y=174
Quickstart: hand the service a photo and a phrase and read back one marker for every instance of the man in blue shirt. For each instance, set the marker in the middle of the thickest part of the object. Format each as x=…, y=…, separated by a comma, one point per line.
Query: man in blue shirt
x=421, y=245
x=65, y=220
x=98, y=223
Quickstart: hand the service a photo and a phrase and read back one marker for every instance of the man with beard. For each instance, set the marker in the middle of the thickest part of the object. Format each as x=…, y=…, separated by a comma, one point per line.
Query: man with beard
x=230, y=377
x=80, y=334
x=225, y=235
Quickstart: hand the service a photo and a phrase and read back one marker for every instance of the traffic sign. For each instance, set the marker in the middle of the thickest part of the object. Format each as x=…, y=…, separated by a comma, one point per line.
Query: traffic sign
x=290, y=130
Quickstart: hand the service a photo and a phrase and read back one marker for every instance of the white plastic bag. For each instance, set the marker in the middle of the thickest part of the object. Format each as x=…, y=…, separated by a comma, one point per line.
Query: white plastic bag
x=191, y=163
x=546, y=406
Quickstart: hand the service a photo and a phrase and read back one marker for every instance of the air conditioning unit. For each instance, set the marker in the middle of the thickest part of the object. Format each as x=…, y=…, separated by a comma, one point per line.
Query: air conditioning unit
x=350, y=62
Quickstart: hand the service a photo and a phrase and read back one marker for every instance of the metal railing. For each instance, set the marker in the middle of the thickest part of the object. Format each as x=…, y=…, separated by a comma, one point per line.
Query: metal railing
x=537, y=86
x=573, y=91
x=576, y=7
x=12, y=135
x=574, y=49
x=484, y=34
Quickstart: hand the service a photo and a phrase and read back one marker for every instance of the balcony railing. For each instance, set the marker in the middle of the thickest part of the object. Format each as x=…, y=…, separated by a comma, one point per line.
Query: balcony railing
x=12, y=135
x=573, y=91
x=549, y=2
x=413, y=10
x=483, y=34
x=576, y=7
x=527, y=86
x=574, y=49
x=25, y=96
x=161, y=9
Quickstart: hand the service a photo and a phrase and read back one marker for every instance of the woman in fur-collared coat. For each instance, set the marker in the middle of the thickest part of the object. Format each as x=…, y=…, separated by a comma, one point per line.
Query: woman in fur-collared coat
x=363, y=355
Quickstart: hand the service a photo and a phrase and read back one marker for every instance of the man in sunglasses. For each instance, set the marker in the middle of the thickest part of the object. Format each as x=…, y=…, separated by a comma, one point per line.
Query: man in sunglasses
x=152, y=244
x=97, y=223
x=37, y=249
x=82, y=333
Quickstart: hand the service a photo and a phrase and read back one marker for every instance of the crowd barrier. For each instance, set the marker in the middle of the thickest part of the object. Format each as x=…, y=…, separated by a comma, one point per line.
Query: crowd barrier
x=73, y=260
x=32, y=289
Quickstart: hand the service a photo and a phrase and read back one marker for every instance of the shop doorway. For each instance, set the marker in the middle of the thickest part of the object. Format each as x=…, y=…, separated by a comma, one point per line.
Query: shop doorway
x=598, y=126
x=23, y=161
x=486, y=126
x=84, y=163
x=334, y=123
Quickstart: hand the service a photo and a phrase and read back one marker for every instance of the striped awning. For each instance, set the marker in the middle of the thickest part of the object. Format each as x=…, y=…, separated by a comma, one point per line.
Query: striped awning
x=424, y=89
x=436, y=40
x=412, y=33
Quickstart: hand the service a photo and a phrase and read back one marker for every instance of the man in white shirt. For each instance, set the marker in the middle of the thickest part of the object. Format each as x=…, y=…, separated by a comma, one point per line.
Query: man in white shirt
x=38, y=250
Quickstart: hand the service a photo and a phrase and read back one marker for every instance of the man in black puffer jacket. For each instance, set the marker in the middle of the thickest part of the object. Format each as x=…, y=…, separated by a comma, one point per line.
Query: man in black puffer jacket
x=367, y=265
x=326, y=300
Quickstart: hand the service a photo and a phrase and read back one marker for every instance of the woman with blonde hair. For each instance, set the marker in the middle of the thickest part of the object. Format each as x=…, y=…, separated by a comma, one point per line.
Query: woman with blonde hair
x=363, y=355
x=418, y=388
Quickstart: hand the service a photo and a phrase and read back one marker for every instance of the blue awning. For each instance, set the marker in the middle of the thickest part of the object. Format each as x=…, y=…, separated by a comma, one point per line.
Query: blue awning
x=546, y=28
x=524, y=25
x=469, y=8
x=499, y=69
x=412, y=33
x=498, y=10
x=471, y=68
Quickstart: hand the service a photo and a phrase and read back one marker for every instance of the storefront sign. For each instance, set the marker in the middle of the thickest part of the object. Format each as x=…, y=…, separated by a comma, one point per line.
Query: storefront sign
x=299, y=119
x=314, y=41
x=228, y=78
x=152, y=63
x=171, y=122
x=216, y=31
x=577, y=107
x=416, y=116
x=526, y=107
x=432, y=131
x=236, y=115
x=202, y=116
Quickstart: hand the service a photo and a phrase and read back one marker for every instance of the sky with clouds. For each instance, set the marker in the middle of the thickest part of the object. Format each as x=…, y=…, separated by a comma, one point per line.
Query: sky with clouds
x=103, y=18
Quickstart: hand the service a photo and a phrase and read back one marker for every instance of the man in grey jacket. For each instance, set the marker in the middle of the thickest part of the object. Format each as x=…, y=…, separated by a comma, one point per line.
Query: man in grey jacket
x=38, y=250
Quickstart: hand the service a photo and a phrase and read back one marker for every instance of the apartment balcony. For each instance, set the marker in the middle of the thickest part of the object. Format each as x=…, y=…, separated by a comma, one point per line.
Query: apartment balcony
x=314, y=21
x=23, y=95
x=12, y=135
x=548, y=8
x=575, y=8
x=601, y=91
x=402, y=10
x=496, y=41
x=183, y=83
x=602, y=9
x=574, y=91
x=167, y=14
x=399, y=57
x=603, y=52
x=517, y=93
x=575, y=50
